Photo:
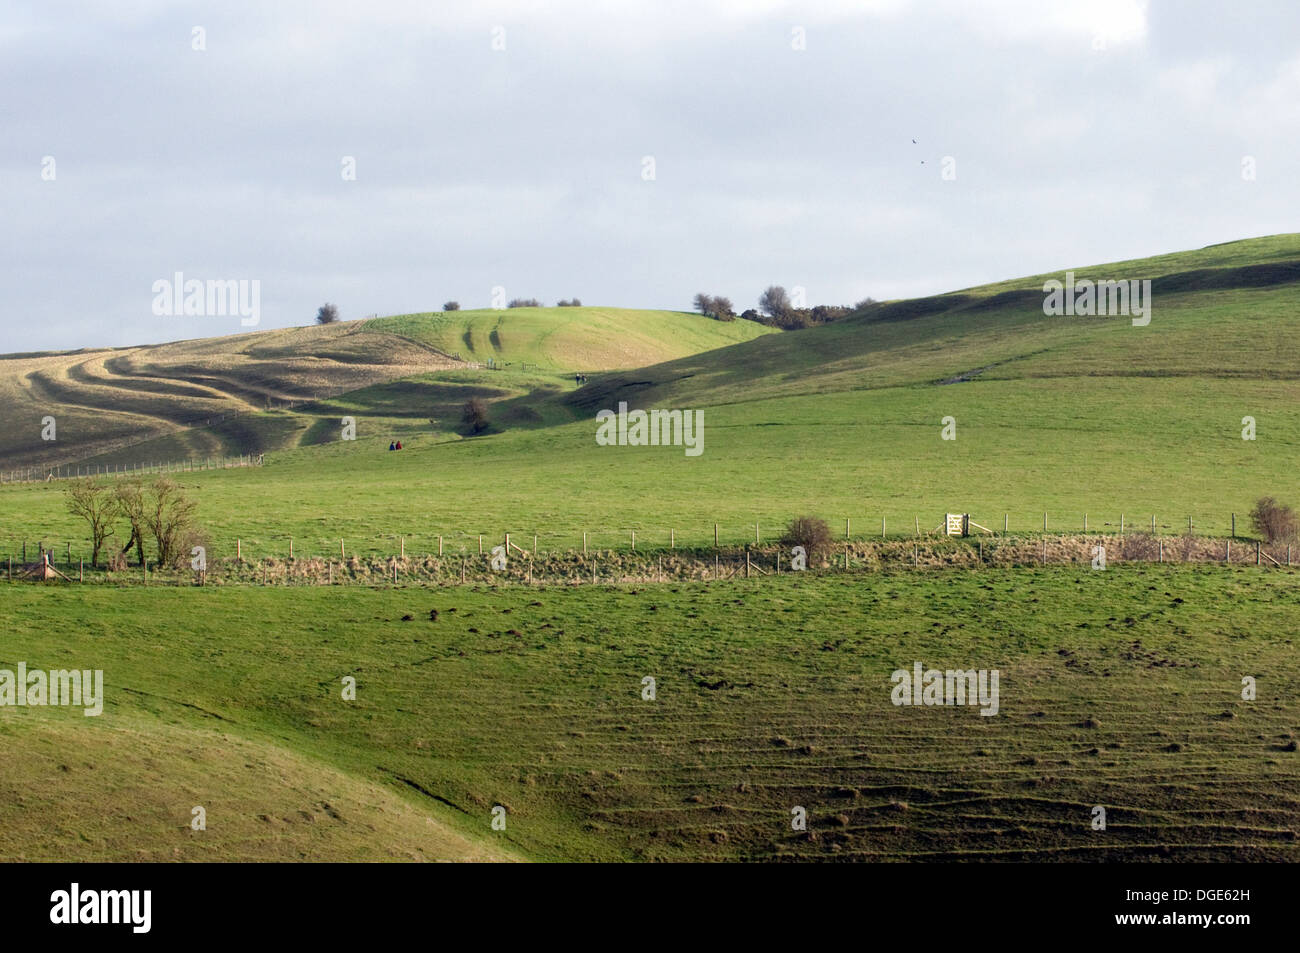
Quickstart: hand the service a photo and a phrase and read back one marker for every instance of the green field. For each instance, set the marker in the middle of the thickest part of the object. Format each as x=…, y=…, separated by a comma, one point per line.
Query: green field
x=1120, y=689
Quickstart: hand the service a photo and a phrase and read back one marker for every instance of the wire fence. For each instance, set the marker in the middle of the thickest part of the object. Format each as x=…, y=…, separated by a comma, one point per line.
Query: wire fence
x=502, y=560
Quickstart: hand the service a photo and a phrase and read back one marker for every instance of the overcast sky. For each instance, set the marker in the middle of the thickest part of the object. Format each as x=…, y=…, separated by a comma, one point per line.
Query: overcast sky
x=1078, y=132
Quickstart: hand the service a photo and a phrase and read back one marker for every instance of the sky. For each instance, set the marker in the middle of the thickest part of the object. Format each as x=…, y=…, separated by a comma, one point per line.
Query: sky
x=389, y=156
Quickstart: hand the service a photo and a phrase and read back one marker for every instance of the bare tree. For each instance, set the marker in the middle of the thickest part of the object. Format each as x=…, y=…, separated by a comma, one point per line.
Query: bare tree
x=130, y=499
x=96, y=504
x=169, y=518
x=722, y=309
x=703, y=303
x=327, y=314
x=774, y=302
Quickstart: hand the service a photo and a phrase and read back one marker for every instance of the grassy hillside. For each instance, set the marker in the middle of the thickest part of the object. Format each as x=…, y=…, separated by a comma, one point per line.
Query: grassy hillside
x=1063, y=415
x=569, y=339
x=253, y=393
x=104, y=400
x=1119, y=688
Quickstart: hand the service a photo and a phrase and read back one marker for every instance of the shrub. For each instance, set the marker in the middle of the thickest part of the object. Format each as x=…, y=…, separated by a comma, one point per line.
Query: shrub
x=451, y=306
x=475, y=415
x=524, y=303
x=575, y=303
x=1274, y=521
x=809, y=532
x=327, y=314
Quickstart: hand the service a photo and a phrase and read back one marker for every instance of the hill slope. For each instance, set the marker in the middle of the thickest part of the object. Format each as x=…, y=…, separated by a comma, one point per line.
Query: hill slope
x=569, y=339
x=1064, y=416
x=201, y=398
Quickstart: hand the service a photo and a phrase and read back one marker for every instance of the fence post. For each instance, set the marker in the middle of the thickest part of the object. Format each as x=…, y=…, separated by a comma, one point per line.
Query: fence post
x=633, y=540
x=1085, y=522
x=672, y=539
x=1121, y=524
x=882, y=527
x=1044, y=522
x=1189, y=526
x=480, y=544
x=1234, y=525
x=584, y=542
x=1161, y=543
x=403, y=547
x=715, y=535
x=239, y=551
x=1256, y=552
x=439, y=547
x=1004, y=524
x=846, y=529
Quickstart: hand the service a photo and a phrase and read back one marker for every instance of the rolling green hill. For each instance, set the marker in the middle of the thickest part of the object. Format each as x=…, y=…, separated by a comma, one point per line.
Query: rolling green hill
x=270, y=390
x=1121, y=688
x=569, y=339
x=1060, y=415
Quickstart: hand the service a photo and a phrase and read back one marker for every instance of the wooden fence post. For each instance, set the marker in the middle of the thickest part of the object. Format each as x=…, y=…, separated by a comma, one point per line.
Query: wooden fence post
x=1004, y=524
x=715, y=535
x=1085, y=522
x=882, y=527
x=672, y=539
x=439, y=547
x=403, y=538
x=633, y=540
x=584, y=542
x=1234, y=525
x=239, y=550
